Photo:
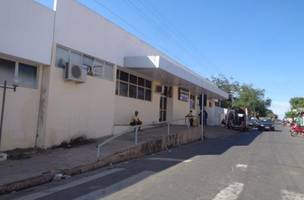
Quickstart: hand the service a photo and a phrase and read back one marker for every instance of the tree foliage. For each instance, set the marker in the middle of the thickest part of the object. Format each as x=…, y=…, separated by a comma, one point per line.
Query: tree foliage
x=297, y=102
x=244, y=96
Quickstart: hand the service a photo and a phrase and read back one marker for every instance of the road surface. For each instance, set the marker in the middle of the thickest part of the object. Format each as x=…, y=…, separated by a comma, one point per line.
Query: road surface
x=250, y=166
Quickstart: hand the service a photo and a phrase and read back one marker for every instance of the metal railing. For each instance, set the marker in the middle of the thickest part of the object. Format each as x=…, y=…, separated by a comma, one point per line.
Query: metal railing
x=138, y=127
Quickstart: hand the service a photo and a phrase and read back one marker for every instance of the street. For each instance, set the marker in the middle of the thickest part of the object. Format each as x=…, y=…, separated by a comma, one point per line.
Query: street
x=250, y=166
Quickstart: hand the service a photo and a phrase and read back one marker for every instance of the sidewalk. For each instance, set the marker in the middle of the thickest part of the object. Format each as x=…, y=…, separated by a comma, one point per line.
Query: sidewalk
x=57, y=160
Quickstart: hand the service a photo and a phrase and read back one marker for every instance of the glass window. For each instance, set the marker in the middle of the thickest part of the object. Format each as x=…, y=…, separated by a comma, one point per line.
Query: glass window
x=117, y=88
x=62, y=57
x=192, y=102
x=123, y=89
x=148, y=95
x=75, y=58
x=7, y=71
x=108, y=72
x=141, y=81
x=183, y=94
x=27, y=75
x=148, y=84
x=117, y=74
x=98, y=68
x=133, y=79
x=140, y=93
x=88, y=61
x=132, y=91
x=124, y=76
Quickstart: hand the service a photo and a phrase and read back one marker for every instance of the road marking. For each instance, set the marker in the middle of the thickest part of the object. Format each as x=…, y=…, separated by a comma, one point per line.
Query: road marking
x=231, y=192
x=69, y=185
x=98, y=194
x=170, y=159
x=243, y=166
x=288, y=195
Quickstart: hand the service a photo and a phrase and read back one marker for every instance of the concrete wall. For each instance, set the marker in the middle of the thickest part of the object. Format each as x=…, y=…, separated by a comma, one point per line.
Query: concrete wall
x=20, y=117
x=26, y=30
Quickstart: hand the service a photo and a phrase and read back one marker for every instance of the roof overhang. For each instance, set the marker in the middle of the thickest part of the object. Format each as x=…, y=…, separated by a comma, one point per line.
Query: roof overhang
x=166, y=71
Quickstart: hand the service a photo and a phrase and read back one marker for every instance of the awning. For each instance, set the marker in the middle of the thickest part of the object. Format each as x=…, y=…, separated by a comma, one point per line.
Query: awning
x=162, y=69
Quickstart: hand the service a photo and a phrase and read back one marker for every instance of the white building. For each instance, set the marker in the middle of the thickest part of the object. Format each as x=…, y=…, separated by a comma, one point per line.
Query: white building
x=36, y=44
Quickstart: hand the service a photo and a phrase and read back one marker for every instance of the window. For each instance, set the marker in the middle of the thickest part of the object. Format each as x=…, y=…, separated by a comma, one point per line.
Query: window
x=183, y=94
x=75, y=58
x=123, y=89
x=7, y=71
x=108, y=71
x=88, y=61
x=192, y=102
x=27, y=75
x=132, y=91
x=62, y=57
x=96, y=67
x=133, y=86
x=124, y=76
x=141, y=93
x=24, y=73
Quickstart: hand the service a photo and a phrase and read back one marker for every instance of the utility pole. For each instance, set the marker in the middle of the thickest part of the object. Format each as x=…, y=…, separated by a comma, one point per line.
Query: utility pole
x=5, y=87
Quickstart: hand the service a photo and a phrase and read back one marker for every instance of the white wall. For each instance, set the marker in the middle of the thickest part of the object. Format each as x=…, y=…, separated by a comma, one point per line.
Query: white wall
x=26, y=30
x=75, y=109
x=180, y=108
x=20, y=117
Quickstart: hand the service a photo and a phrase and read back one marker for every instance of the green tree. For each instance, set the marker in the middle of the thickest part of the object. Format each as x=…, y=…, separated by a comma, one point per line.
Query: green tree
x=229, y=85
x=244, y=96
x=297, y=102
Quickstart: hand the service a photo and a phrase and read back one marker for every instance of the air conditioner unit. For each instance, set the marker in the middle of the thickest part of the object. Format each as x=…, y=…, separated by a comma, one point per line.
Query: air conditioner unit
x=77, y=73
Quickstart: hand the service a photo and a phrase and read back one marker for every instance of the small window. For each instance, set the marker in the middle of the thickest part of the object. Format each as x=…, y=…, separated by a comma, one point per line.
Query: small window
x=88, y=61
x=27, y=75
x=123, y=89
x=124, y=76
x=148, y=95
x=148, y=84
x=132, y=91
x=7, y=71
x=141, y=81
x=117, y=74
x=140, y=93
x=108, y=72
x=133, y=79
x=117, y=88
x=75, y=58
x=62, y=57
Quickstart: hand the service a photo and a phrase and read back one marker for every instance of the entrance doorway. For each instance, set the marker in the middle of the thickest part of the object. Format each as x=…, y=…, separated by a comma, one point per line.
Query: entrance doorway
x=163, y=108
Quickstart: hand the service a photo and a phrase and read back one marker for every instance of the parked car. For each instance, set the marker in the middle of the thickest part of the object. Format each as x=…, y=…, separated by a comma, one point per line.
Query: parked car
x=253, y=122
x=236, y=118
x=266, y=124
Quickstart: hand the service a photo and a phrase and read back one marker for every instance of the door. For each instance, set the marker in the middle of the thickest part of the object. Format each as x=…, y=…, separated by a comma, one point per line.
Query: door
x=163, y=108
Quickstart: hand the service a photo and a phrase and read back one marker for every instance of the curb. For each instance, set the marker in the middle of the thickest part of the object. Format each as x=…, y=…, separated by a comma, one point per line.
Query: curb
x=137, y=151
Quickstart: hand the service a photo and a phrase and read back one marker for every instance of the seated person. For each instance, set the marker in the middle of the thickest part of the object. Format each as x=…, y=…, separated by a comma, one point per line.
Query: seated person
x=190, y=117
x=135, y=119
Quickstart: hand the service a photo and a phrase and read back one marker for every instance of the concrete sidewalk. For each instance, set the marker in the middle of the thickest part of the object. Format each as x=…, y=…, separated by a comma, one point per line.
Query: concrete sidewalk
x=56, y=160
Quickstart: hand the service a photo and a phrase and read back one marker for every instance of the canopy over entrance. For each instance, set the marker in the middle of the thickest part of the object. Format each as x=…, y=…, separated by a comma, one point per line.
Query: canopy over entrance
x=161, y=69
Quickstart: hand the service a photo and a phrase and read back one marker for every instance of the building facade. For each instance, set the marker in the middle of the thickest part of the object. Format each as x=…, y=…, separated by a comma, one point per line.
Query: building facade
x=80, y=75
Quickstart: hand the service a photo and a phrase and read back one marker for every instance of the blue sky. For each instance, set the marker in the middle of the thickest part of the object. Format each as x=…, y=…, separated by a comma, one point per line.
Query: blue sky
x=255, y=41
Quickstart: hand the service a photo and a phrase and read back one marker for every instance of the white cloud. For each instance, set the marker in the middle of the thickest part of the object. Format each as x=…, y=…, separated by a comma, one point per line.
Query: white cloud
x=280, y=107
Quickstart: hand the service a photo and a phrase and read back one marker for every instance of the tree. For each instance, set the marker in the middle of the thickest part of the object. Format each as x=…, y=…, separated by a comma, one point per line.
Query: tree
x=228, y=85
x=244, y=96
x=297, y=102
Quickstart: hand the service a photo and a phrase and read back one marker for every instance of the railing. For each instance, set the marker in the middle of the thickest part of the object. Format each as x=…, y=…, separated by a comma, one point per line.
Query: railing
x=136, y=130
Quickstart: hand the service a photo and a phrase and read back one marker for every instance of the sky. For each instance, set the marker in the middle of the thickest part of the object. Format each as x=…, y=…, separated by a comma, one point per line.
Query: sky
x=260, y=42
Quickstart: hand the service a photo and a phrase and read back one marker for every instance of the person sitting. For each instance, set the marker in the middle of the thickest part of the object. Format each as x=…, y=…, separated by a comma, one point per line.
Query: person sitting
x=135, y=119
x=190, y=117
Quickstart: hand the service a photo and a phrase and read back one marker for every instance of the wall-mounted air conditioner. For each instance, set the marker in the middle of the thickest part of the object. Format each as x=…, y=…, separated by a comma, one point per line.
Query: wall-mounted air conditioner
x=77, y=73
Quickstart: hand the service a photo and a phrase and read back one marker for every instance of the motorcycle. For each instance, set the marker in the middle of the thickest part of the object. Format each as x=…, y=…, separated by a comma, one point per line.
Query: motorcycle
x=295, y=130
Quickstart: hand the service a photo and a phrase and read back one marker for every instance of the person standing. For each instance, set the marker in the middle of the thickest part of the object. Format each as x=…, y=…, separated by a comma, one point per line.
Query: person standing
x=205, y=118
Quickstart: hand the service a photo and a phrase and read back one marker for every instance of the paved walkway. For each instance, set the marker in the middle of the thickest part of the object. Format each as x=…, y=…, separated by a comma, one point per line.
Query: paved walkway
x=60, y=158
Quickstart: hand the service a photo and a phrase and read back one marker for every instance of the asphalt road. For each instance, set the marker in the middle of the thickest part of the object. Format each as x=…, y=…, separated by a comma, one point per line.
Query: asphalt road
x=250, y=166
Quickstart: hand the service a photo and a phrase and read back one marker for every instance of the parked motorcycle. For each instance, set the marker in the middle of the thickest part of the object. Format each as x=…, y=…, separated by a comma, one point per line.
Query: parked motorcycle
x=295, y=130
